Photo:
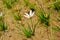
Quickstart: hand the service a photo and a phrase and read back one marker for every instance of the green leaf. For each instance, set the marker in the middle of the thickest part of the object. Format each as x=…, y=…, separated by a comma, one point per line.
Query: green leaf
x=57, y=7
x=2, y=26
x=12, y=1
x=26, y=2
x=17, y=16
x=43, y=18
x=25, y=31
x=29, y=29
x=57, y=28
x=7, y=4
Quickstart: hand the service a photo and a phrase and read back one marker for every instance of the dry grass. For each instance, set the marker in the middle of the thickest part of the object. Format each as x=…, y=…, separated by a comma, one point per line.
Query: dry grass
x=41, y=32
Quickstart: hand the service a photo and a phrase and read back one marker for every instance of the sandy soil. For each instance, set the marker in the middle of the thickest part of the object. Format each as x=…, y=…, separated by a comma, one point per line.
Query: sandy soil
x=41, y=33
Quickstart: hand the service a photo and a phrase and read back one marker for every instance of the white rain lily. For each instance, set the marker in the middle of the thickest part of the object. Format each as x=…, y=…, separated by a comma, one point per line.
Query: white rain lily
x=29, y=15
x=1, y=14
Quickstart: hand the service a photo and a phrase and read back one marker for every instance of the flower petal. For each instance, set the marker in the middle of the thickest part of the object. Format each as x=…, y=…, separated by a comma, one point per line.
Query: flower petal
x=30, y=12
x=1, y=14
x=26, y=16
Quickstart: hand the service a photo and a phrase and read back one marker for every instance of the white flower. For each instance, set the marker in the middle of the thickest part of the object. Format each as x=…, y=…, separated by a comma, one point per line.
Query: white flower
x=1, y=14
x=29, y=15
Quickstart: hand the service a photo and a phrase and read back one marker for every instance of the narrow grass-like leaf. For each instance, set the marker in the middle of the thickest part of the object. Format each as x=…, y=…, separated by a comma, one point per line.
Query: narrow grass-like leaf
x=3, y=27
x=17, y=16
x=26, y=2
x=12, y=1
x=43, y=18
x=7, y=4
x=29, y=28
x=56, y=5
x=33, y=32
x=56, y=29
x=31, y=6
x=47, y=0
x=27, y=32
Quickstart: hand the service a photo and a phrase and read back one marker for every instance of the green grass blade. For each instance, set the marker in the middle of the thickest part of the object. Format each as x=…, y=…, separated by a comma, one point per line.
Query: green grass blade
x=17, y=16
x=7, y=4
